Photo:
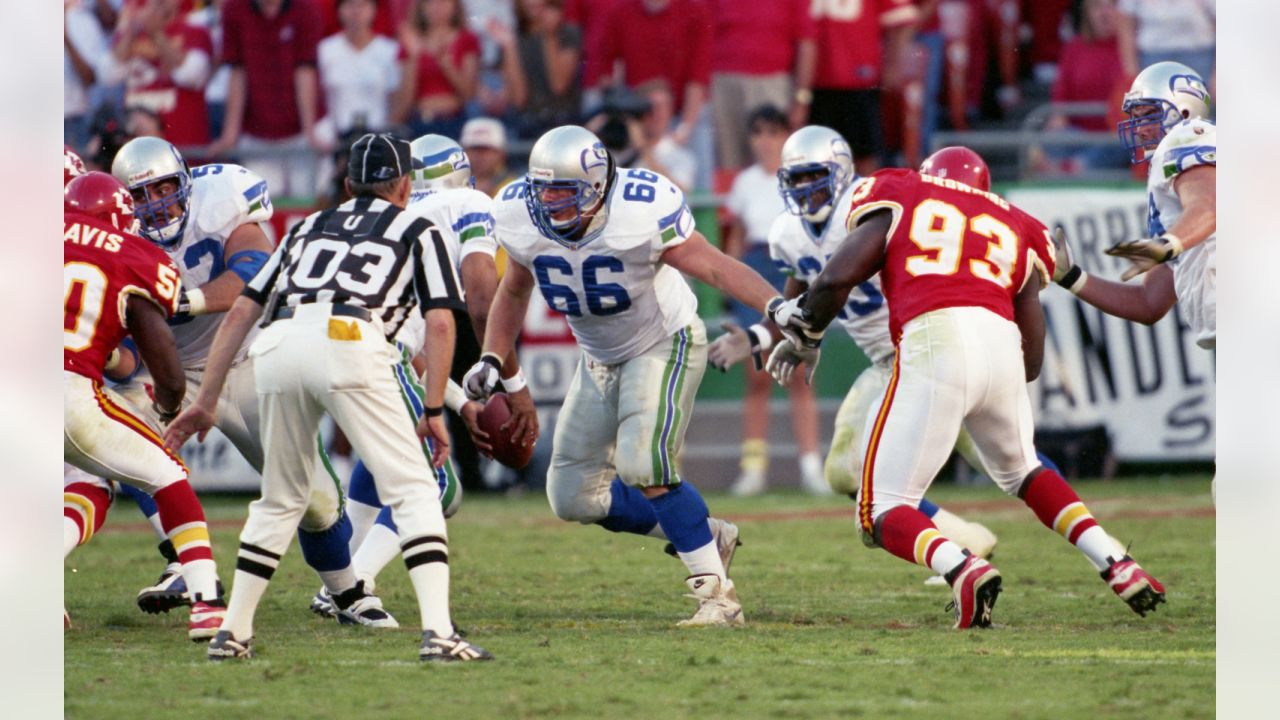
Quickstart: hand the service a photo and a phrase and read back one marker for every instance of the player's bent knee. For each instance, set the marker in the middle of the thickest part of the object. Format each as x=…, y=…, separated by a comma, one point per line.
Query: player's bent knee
x=570, y=502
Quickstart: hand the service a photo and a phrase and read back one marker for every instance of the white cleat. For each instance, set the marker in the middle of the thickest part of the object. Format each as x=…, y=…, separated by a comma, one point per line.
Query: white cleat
x=357, y=606
x=718, y=604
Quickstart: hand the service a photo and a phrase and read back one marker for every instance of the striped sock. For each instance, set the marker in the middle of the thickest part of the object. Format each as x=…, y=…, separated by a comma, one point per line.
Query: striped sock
x=84, y=506
x=755, y=456
x=427, y=558
x=254, y=568
x=1060, y=509
x=907, y=533
x=183, y=521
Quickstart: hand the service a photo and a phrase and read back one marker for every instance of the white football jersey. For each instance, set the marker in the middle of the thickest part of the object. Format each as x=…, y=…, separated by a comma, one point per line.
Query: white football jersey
x=619, y=297
x=223, y=197
x=1189, y=144
x=799, y=254
x=465, y=219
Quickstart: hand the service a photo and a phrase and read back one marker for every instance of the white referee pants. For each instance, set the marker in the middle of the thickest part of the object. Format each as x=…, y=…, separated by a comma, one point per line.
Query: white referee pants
x=955, y=367
x=314, y=364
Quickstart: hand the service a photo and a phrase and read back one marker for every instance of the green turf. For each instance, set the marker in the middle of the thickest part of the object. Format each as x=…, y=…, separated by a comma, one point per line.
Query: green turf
x=582, y=622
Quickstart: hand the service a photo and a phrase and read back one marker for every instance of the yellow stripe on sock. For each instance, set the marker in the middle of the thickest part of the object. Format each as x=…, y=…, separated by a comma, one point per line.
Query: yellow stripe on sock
x=1068, y=517
x=922, y=544
x=83, y=503
x=190, y=535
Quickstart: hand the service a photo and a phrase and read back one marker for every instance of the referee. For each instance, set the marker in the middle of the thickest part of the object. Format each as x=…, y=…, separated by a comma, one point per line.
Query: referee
x=340, y=285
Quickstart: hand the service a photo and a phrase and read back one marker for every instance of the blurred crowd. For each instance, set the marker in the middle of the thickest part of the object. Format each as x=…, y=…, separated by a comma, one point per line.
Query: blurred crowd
x=668, y=84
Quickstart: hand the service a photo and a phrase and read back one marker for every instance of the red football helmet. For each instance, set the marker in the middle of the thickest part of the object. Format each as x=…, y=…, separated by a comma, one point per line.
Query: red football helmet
x=960, y=164
x=102, y=196
x=72, y=166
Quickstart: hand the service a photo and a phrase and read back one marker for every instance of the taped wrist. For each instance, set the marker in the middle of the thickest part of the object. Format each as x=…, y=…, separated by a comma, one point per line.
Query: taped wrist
x=1073, y=279
x=454, y=396
x=515, y=383
x=761, y=338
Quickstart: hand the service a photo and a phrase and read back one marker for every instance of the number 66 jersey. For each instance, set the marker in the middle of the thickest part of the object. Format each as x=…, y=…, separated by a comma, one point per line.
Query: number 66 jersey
x=620, y=299
x=949, y=245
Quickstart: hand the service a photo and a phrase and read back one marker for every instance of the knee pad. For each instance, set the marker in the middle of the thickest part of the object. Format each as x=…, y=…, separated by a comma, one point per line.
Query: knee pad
x=321, y=513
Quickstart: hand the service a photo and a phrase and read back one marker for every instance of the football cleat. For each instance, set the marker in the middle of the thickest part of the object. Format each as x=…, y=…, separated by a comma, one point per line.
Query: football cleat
x=1134, y=585
x=206, y=618
x=225, y=647
x=169, y=592
x=975, y=585
x=358, y=607
x=725, y=534
x=322, y=603
x=436, y=648
x=750, y=482
x=718, y=604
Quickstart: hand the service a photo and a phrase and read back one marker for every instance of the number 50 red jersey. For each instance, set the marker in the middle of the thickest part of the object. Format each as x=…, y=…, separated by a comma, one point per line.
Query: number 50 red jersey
x=950, y=245
x=101, y=268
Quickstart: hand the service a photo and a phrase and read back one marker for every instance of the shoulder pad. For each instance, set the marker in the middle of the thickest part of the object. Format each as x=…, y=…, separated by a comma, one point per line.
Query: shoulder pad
x=227, y=196
x=1190, y=143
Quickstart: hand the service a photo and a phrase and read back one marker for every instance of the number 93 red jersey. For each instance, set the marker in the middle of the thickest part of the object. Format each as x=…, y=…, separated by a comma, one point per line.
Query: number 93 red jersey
x=101, y=268
x=950, y=245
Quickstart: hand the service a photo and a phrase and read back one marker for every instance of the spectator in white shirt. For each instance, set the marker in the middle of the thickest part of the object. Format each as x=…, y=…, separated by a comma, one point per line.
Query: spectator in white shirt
x=84, y=46
x=658, y=150
x=1152, y=31
x=359, y=72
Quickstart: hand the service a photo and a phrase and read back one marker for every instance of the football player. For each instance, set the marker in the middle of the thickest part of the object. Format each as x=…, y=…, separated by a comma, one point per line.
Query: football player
x=1168, y=126
x=816, y=181
x=443, y=193
x=606, y=246
x=961, y=270
x=116, y=283
x=207, y=220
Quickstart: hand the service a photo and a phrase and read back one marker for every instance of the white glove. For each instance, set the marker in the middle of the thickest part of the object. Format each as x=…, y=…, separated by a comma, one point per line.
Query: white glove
x=1146, y=253
x=482, y=379
x=786, y=356
x=1065, y=271
x=788, y=314
x=736, y=345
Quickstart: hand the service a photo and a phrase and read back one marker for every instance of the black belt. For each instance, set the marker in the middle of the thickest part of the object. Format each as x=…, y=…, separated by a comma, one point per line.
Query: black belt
x=285, y=312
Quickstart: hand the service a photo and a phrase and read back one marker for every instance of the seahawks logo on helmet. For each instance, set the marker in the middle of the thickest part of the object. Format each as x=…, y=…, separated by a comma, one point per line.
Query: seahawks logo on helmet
x=1190, y=85
x=594, y=156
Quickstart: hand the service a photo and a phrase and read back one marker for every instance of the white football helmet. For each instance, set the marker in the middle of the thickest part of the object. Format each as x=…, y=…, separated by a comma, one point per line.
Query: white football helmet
x=143, y=162
x=817, y=165
x=443, y=164
x=569, y=158
x=1175, y=91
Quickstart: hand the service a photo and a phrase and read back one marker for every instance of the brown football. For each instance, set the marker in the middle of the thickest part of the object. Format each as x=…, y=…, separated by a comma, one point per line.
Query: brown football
x=495, y=414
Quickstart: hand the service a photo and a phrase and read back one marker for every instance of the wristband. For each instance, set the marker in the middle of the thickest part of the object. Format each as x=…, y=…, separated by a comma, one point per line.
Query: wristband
x=762, y=339
x=515, y=383
x=493, y=360
x=433, y=411
x=1074, y=279
x=165, y=416
x=454, y=397
x=1175, y=245
x=195, y=302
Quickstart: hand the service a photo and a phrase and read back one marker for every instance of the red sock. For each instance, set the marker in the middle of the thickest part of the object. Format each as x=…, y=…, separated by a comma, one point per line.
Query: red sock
x=911, y=535
x=1057, y=505
x=85, y=505
x=183, y=521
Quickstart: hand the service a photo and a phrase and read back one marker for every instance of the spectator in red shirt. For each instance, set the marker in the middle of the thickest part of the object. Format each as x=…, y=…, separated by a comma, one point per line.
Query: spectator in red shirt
x=668, y=39
x=440, y=63
x=164, y=62
x=591, y=16
x=854, y=63
x=764, y=54
x=272, y=96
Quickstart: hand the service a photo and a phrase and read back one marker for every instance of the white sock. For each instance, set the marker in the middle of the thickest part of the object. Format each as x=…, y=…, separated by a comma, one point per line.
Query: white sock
x=338, y=580
x=811, y=465
x=1099, y=547
x=704, y=561
x=154, y=519
x=362, y=517
x=946, y=557
x=70, y=536
x=381, y=545
x=431, y=584
x=246, y=592
x=202, y=578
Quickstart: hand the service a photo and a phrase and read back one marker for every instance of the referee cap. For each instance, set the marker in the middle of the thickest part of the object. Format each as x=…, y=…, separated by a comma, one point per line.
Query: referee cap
x=378, y=157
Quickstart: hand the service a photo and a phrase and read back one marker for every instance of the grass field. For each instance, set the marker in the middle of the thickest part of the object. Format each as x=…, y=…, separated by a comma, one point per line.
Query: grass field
x=582, y=622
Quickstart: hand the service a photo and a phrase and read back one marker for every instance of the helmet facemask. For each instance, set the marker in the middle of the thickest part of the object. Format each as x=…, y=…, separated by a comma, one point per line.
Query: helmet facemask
x=583, y=205
x=1163, y=116
x=810, y=190
x=154, y=214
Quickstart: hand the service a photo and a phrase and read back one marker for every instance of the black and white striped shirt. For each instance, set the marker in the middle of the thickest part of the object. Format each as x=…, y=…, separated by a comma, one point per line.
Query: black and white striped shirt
x=365, y=252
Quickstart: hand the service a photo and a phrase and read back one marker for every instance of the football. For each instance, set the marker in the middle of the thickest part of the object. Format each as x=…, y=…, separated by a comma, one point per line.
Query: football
x=495, y=414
